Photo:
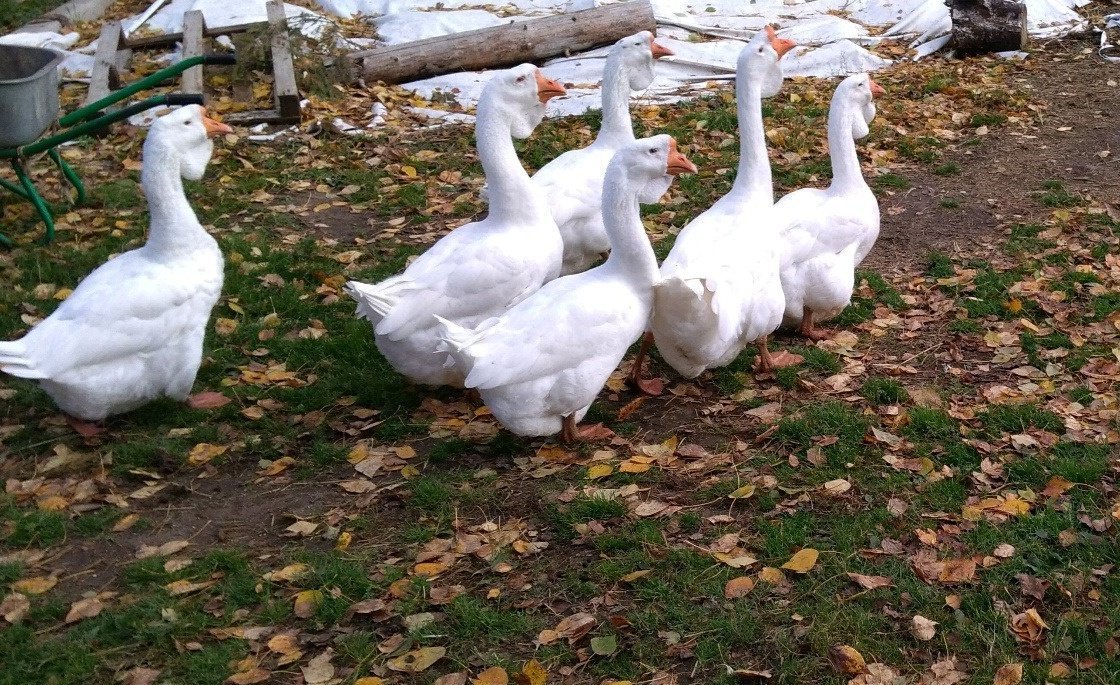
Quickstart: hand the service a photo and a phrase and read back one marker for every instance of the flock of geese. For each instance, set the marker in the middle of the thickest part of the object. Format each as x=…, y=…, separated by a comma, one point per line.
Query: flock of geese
x=511, y=305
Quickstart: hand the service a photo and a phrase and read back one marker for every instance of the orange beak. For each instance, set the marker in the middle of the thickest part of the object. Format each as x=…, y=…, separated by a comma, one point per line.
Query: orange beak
x=677, y=163
x=876, y=89
x=658, y=49
x=780, y=45
x=547, y=88
x=213, y=127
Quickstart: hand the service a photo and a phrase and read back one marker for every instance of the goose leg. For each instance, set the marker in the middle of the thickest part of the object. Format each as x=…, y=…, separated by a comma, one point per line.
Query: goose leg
x=86, y=429
x=809, y=330
x=568, y=430
x=780, y=360
x=652, y=386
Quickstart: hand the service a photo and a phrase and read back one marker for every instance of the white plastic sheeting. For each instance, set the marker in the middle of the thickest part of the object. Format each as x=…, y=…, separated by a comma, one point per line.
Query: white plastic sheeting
x=835, y=37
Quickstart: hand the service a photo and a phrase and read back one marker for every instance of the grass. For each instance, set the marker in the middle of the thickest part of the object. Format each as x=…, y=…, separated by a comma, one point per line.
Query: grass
x=515, y=533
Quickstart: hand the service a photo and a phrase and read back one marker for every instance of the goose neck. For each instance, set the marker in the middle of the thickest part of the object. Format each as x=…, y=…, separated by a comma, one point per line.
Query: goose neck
x=846, y=171
x=512, y=196
x=173, y=226
x=631, y=252
x=616, y=128
x=753, y=179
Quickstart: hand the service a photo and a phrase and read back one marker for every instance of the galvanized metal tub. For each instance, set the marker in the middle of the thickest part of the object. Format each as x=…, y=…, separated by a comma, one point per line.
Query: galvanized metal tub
x=28, y=93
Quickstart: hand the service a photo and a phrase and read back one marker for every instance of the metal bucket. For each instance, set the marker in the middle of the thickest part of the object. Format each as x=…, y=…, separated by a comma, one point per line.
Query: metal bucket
x=28, y=93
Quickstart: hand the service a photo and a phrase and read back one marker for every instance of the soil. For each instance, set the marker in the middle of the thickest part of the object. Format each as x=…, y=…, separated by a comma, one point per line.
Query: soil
x=1002, y=176
x=996, y=187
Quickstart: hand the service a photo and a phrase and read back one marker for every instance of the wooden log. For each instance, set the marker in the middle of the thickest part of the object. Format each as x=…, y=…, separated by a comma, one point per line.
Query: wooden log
x=105, y=78
x=194, y=44
x=285, y=93
x=983, y=26
x=506, y=45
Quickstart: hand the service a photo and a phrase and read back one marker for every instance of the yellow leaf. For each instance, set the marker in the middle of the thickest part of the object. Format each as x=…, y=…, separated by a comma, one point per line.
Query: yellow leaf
x=742, y=492
x=250, y=677
x=771, y=575
x=288, y=573
x=409, y=472
x=1014, y=305
x=803, y=561
x=35, y=586
x=534, y=674
x=847, y=660
x=126, y=523
x=409, y=171
x=630, y=466
x=429, y=568
x=599, y=471
x=631, y=577
x=344, y=540
x=417, y=660
x=186, y=587
x=84, y=608
x=738, y=587
x=203, y=452
x=369, y=680
x=224, y=327
x=306, y=602
x=1009, y=674
x=495, y=675
x=52, y=503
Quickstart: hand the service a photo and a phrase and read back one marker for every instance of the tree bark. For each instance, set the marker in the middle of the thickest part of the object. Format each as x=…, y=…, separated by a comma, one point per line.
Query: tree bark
x=506, y=45
x=982, y=26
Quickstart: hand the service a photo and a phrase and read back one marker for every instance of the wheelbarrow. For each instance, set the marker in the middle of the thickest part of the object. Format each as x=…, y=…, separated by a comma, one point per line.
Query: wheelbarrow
x=29, y=107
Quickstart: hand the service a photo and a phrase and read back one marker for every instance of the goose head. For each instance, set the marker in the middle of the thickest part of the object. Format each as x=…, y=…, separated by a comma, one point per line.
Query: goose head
x=521, y=92
x=758, y=61
x=635, y=55
x=183, y=137
x=857, y=93
x=652, y=164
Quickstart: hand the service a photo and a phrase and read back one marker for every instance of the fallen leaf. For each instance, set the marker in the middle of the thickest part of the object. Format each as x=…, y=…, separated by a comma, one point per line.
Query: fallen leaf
x=307, y=603
x=203, y=452
x=84, y=608
x=604, y=645
x=837, y=487
x=532, y=673
x=803, y=561
x=922, y=629
x=141, y=676
x=870, y=582
x=742, y=492
x=771, y=575
x=208, y=400
x=847, y=660
x=186, y=587
x=738, y=587
x=596, y=471
x=14, y=607
x=319, y=670
x=417, y=660
x=1009, y=674
x=35, y=586
x=495, y=675
x=249, y=677
x=1059, y=670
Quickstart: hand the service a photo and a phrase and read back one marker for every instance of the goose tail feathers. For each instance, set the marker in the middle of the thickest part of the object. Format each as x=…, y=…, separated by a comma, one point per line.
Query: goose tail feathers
x=14, y=361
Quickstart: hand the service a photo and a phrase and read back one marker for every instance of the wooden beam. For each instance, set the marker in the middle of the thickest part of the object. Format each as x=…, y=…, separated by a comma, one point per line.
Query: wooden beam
x=105, y=78
x=162, y=40
x=284, y=89
x=194, y=44
x=506, y=45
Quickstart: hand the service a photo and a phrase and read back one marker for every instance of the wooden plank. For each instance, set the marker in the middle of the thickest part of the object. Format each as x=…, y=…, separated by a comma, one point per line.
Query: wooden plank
x=104, y=76
x=505, y=45
x=284, y=89
x=193, y=45
x=256, y=116
x=162, y=40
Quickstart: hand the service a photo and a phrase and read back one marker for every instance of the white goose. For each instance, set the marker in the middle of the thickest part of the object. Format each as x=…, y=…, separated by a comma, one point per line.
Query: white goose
x=132, y=330
x=481, y=269
x=574, y=180
x=720, y=285
x=826, y=233
x=541, y=364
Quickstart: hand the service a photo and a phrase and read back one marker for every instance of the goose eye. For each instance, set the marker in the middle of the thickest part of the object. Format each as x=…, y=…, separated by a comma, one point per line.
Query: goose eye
x=521, y=79
x=653, y=151
x=760, y=51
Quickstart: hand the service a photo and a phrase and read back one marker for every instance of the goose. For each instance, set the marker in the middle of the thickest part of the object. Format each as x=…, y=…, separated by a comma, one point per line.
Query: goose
x=826, y=233
x=482, y=268
x=720, y=285
x=539, y=366
x=574, y=180
x=132, y=330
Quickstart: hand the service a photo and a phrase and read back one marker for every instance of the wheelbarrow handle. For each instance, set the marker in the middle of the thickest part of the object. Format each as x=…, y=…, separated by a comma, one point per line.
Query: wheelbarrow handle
x=95, y=108
x=181, y=99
